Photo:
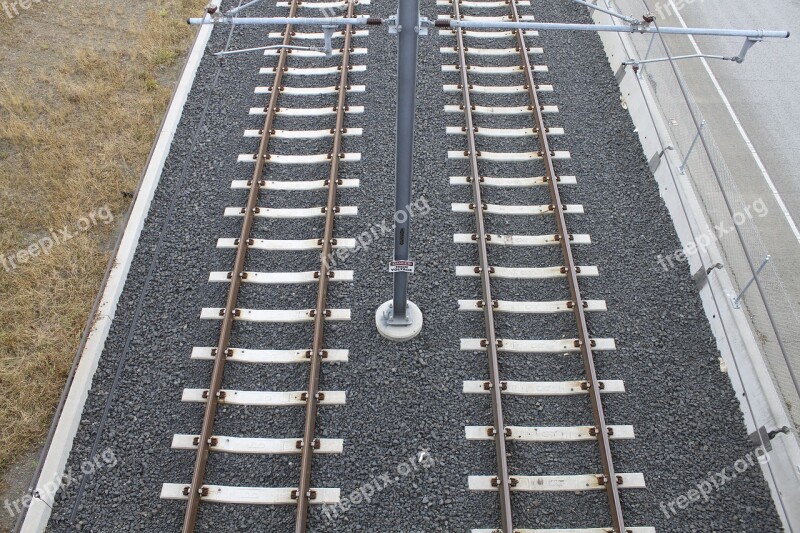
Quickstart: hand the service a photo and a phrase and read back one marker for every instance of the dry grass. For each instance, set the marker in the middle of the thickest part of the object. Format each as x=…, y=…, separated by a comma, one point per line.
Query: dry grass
x=80, y=104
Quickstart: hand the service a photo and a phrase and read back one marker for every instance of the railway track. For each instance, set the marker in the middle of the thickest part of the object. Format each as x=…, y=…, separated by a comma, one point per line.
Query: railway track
x=246, y=442
x=260, y=191
x=486, y=129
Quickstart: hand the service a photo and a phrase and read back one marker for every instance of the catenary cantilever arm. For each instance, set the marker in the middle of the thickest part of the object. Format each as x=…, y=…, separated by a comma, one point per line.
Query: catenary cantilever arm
x=619, y=28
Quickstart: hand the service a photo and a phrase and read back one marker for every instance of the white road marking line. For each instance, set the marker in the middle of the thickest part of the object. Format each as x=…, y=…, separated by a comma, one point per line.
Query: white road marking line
x=740, y=128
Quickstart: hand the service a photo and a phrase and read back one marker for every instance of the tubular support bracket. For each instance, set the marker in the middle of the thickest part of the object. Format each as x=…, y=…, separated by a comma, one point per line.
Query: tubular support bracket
x=640, y=27
x=636, y=63
x=217, y=18
x=748, y=44
x=327, y=31
x=421, y=29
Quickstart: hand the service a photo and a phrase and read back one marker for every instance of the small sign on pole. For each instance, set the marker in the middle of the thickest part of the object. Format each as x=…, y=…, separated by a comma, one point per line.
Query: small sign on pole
x=402, y=266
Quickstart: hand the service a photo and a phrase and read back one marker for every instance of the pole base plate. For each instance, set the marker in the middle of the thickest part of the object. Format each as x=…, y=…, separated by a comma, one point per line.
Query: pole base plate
x=398, y=332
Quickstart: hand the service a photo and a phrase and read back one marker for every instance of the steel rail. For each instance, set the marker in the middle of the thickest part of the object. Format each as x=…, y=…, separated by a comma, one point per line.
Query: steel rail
x=304, y=493
x=484, y=269
x=204, y=442
x=584, y=338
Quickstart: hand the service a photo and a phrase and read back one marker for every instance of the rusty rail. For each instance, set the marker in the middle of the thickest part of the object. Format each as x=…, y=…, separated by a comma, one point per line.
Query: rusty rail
x=304, y=494
x=569, y=268
x=203, y=445
x=503, y=479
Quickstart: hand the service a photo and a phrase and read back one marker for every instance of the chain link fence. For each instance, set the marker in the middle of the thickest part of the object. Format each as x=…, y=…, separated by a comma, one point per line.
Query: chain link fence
x=734, y=218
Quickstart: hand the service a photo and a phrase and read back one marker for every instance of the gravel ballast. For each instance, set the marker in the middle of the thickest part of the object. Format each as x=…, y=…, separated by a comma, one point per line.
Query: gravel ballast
x=403, y=423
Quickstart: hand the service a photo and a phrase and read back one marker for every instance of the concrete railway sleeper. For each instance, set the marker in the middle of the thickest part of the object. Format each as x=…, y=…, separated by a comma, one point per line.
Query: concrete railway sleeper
x=306, y=445
x=504, y=482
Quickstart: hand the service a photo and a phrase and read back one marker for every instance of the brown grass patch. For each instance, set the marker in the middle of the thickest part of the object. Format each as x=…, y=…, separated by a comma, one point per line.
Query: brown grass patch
x=81, y=98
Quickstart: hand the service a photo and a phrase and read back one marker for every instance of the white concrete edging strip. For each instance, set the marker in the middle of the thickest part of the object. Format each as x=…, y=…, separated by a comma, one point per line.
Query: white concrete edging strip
x=39, y=510
x=763, y=403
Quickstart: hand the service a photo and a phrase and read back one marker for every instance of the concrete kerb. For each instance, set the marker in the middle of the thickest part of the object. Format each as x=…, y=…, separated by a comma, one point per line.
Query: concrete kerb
x=762, y=404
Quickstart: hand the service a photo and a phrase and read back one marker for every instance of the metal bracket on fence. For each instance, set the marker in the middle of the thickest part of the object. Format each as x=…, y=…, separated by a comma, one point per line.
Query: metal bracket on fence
x=655, y=161
x=761, y=438
x=701, y=276
x=738, y=298
x=682, y=167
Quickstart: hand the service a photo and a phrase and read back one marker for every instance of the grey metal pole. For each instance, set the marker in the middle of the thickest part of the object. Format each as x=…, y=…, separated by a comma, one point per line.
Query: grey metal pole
x=408, y=28
x=400, y=319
